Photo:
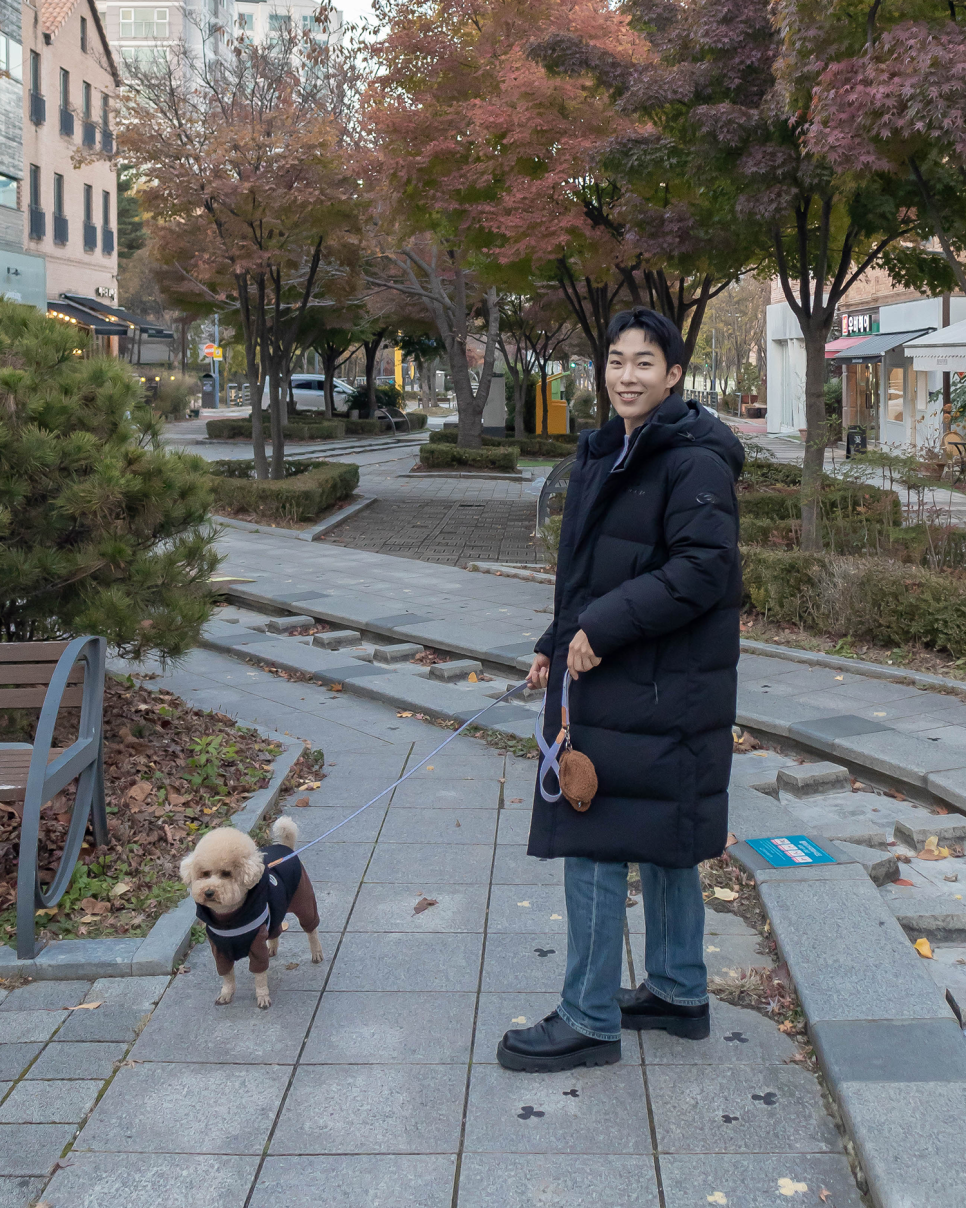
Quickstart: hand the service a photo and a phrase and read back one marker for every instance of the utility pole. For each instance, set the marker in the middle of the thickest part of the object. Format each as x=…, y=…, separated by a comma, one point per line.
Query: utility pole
x=217, y=381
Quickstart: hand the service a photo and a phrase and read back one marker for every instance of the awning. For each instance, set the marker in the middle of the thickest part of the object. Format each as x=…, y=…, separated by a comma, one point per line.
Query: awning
x=873, y=348
x=944, y=350
x=843, y=342
x=68, y=312
x=147, y=327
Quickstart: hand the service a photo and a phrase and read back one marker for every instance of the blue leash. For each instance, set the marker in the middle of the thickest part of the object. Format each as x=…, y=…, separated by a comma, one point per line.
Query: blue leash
x=550, y=762
x=412, y=770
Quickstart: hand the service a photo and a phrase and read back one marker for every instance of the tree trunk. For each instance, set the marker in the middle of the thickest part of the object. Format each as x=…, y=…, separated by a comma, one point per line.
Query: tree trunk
x=469, y=405
x=544, y=391
x=277, y=421
x=372, y=352
x=256, y=388
x=432, y=381
x=815, y=438
x=330, y=356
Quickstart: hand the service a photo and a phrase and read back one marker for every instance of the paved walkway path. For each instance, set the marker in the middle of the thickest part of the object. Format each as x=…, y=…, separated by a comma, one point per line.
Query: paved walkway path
x=371, y=1082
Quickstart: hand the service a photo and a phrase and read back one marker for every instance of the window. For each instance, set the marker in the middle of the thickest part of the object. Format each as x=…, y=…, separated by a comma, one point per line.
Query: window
x=58, y=195
x=83, y=33
x=11, y=58
x=137, y=57
x=279, y=21
x=88, y=203
x=312, y=24
x=64, y=89
x=105, y=110
x=144, y=22
x=894, y=396
x=8, y=192
x=246, y=22
x=87, y=98
x=34, y=185
x=106, y=208
x=34, y=71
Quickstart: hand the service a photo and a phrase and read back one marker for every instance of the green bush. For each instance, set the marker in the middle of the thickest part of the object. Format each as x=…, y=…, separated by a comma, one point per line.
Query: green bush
x=550, y=539
x=101, y=530
x=303, y=495
x=386, y=396
x=174, y=396
x=875, y=599
x=241, y=429
x=238, y=468
x=364, y=427
x=445, y=457
x=529, y=446
x=417, y=420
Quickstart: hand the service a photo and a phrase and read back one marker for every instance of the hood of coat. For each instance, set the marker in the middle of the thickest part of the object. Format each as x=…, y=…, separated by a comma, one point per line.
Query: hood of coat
x=675, y=422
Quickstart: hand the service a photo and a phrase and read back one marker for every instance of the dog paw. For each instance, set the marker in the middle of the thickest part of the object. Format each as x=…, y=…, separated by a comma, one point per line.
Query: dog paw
x=317, y=957
x=264, y=1003
x=223, y=1000
x=273, y=947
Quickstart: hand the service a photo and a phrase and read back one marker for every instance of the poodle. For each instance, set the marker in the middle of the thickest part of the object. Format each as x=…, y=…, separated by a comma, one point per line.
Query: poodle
x=242, y=901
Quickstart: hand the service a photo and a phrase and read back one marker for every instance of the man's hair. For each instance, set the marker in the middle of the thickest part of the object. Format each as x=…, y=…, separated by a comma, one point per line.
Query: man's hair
x=660, y=330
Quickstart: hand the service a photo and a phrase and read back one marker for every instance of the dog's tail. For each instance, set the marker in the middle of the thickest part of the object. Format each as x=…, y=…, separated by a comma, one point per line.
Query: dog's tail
x=285, y=831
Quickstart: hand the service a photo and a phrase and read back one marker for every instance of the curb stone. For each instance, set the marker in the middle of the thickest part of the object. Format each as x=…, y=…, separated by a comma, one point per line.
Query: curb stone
x=313, y=533
x=159, y=951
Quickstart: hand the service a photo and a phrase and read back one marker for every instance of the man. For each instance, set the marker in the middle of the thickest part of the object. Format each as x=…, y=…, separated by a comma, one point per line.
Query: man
x=646, y=621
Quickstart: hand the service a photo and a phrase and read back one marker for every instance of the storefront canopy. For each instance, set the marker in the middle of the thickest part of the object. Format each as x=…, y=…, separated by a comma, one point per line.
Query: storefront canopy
x=875, y=347
x=147, y=327
x=944, y=350
x=67, y=312
x=835, y=346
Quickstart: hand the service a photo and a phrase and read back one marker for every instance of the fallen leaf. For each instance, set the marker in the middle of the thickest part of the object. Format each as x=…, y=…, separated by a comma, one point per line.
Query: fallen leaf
x=923, y=947
x=824, y=1195
x=120, y=888
x=51, y=910
x=903, y=881
x=176, y=799
x=895, y=795
x=932, y=851
x=429, y=767
x=128, y=1065
x=292, y=965
x=717, y=1197
x=89, y=918
x=878, y=715
x=787, y=1027
x=789, y=1187
x=725, y=895
x=285, y=926
x=302, y=802
x=556, y=916
x=405, y=713
x=523, y=903
x=519, y=1019
x=139, y=792
x=92, y=906
x=335, y=687
x=840, y=677
x=731, y=840
x=85, y=1006
x=424, y=904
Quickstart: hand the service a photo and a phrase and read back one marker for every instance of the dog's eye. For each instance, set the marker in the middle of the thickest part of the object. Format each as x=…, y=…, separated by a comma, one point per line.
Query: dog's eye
x=225, y=872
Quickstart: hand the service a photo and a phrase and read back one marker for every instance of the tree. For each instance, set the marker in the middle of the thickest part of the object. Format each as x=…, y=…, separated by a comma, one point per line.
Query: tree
x=101, y=530
x=251, y=195
x=130, y=225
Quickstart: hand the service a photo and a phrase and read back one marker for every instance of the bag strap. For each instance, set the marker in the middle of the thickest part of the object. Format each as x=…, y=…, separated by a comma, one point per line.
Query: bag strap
x=550, y=763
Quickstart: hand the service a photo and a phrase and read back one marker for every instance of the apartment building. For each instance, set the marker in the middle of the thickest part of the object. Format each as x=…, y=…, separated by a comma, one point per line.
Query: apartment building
x=69, y=188
x=139, y=32
x=259, y=19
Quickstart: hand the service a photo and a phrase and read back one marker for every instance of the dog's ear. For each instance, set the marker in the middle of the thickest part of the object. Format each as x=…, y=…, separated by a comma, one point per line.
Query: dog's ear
x=250, y=869
x=187, y=864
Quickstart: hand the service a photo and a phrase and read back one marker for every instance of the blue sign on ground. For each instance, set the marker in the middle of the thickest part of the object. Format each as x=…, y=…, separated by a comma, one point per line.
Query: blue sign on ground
x=790, y=851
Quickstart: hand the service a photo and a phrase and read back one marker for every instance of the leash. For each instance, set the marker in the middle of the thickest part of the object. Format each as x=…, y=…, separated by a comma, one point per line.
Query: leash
x=550, y=762
x=412, y=770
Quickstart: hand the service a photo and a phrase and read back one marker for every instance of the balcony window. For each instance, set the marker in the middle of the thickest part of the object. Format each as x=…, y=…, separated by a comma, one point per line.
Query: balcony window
x=37, y=218
x=8, y=192
x=11, y=58
x=66, y=115
x=279, y=21
x=107, y=234
x=107, y=136
x=107, y=241
x=60, y=217
x=90, y=230
x=38, y=106
x=144, y=22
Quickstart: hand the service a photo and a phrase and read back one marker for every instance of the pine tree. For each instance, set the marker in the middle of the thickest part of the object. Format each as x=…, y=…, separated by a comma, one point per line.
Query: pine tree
x=101, y=530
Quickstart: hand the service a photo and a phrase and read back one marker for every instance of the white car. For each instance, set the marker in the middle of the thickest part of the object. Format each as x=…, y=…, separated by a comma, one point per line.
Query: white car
x=309, y=392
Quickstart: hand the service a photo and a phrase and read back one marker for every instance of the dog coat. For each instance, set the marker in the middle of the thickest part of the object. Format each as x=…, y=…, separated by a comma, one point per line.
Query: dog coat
x=265, y=905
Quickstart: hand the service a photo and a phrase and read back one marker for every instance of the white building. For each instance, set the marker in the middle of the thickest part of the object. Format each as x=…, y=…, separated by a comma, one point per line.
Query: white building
x=259, y=19
x=139, y=32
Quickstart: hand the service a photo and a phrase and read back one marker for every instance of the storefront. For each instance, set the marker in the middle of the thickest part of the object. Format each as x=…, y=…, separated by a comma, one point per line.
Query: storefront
x=879, y=389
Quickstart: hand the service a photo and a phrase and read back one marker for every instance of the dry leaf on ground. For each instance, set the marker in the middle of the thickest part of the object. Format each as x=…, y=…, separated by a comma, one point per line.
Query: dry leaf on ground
x=85, y=1006
x=405, y=713
x=302, y=802
x=292, y=965
x=424, y=904
x=903, y=881
x=120, y=888
x=932, y=851
x=726, y=895
x=731, y=840
x=924, y=948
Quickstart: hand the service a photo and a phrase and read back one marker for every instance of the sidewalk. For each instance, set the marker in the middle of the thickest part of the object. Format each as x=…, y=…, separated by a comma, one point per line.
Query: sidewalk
x=371, y=1082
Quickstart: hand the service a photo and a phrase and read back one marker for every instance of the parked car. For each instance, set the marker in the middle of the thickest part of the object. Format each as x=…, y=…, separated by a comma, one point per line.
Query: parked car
x=309, y=392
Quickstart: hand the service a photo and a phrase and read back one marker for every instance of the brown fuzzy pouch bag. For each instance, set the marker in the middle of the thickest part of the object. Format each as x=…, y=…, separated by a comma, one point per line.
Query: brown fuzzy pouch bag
x=576, y=774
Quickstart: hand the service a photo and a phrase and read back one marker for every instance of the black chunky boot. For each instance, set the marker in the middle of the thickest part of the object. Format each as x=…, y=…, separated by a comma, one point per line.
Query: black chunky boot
x=553, y=1045
x=642, y=1010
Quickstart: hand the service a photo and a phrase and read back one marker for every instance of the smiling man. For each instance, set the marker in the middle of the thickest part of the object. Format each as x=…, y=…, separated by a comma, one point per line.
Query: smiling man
x=646, y=616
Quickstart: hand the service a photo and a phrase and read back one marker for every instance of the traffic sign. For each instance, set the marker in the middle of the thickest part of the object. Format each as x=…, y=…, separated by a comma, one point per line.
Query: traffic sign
x=213, y=351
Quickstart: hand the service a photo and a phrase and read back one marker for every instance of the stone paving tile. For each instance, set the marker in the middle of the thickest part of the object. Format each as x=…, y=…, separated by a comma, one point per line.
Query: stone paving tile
x=513, y=866
x=344, y=862
x=395, y=961
x=61, y=1102
x=351, y=1180
x=128, y=991
x=390, y=907
x=391, y=1029
x=526, y=908
x=722, y=953
x=350, y=1108
x=757, y=1180
x=514, y=828
x=155, y=1108
x=18, y=1027
x=106, y=1023
x=738, y=1037
x=607, y=1115
x=96, y=1180
x=573, y=1180
x=44, y=996
x=18, y=1193
x=14, y=1059
x=78, y=1060
x=293, y=949
x=31, y=1149
x=442, y=863
x=471, y=794
x=313, y=822
x=525, y=963
x=739, y=1109
x=440, y=826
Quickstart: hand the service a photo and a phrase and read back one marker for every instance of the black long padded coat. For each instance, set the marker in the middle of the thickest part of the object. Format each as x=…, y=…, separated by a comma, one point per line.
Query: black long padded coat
x=649, y=569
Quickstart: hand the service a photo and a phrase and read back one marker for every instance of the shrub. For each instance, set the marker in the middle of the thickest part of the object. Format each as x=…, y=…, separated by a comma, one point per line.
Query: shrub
x=174, y=396
x=445, y=456
x=550, y=539
x=529, y=446
x=303, y=495
x=417, y=420
x=101, y=530
x=241, y=429
x=386, y=396
x=364, y=427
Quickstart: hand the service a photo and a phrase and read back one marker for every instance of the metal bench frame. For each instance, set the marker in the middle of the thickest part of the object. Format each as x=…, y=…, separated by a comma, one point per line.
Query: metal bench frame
x=83, y=760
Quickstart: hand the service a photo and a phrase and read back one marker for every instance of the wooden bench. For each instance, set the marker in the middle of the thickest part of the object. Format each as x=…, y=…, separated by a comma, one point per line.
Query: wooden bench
x=51, y=676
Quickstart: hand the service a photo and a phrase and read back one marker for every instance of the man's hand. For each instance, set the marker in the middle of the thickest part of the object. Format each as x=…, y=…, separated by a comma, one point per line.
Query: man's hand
x=580, y=657
x=539, y=671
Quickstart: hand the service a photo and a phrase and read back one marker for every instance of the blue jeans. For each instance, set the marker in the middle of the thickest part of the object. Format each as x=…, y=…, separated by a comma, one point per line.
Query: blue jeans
x=596, y=896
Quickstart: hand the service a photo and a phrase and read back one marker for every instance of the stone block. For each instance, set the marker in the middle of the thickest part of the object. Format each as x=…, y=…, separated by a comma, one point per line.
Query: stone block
x=823, y=732
x=738, y=1037
x=847, y=956
x=398, y=652
x=165, y=943
x=948, y=828
x=389, y=907
x=86, y=959
x=339, y=1109
x=882, y=866
x=882, y=1117
x=442, y=864
x=756, y=1180
x=512, y=866
x=752, y=815
x=527, y=908
x=60, y=1102
x=575, y=1180
x=14, y=1059
x=936, y=917
x=739, y=1109
x=392, y=1029
x=31, y=1149
x=893, y=1051
x=106, y=1023
x=440, y=826
x=433, y=962
x=45, y=996
x=533, y=963
x=337, y=639
x=772, y=713
x=813, y=779
x=458, y=669
x=26, y=1027
x=904, y=757
x=129, y=991
x=19, y=1193
x=95, y=1180
x=287, y=624
x=399, y=1180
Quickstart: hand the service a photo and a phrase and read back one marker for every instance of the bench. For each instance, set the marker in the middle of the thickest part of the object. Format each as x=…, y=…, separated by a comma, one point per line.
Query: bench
x=51, y=676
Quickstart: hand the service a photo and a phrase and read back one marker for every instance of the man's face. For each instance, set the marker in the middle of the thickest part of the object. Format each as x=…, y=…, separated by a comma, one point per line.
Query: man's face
x=637, y=376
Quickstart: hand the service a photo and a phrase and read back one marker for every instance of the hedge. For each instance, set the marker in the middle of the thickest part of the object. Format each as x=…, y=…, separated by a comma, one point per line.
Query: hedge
x=876, y=599
x=445, y=457
x=529, y=446
x=241, y=429
x=303, y=495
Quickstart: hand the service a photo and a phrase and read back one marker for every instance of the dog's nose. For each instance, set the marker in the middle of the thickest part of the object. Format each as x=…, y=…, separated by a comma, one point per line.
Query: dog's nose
x=209, y=893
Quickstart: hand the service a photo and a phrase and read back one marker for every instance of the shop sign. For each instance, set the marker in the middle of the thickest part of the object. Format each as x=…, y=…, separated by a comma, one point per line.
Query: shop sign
x=860, y=325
